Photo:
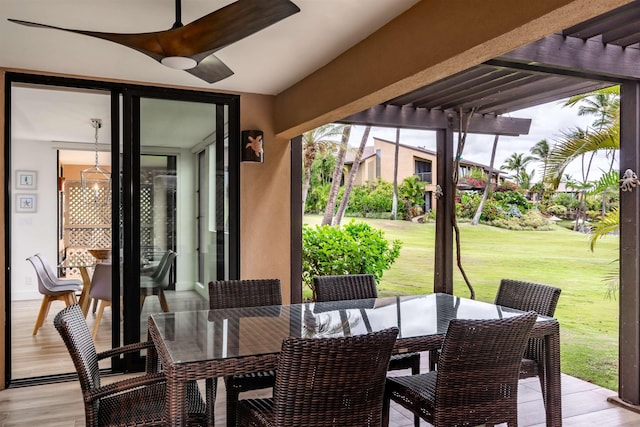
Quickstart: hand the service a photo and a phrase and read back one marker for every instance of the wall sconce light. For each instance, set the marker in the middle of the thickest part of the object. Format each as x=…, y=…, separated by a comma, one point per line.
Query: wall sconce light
x=252, y=146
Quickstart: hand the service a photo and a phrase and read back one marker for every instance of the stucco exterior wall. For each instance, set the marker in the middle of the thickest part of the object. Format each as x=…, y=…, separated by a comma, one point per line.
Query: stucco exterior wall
x=264, y=199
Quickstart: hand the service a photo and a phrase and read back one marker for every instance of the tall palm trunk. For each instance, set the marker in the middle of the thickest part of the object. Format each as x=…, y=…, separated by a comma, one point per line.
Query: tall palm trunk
x=476, y=217
x=352, y=176
x=394, y=205
x=337, y=174
x=309, y=157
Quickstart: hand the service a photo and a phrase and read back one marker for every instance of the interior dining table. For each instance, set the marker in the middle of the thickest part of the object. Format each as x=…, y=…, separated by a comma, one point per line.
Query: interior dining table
x=194, y=345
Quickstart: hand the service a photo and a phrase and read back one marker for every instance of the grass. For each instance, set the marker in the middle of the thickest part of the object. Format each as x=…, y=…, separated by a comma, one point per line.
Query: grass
x=588, y=319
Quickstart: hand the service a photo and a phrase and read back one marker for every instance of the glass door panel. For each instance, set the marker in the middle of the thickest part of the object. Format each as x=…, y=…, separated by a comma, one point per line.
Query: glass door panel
x=182, y=200
x=52, y=142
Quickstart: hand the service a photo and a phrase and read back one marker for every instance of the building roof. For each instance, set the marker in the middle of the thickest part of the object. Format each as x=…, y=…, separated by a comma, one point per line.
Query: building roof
x=369, y=151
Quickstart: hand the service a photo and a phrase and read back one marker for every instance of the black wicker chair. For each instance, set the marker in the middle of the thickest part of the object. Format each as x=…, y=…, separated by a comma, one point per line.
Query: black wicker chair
x=527, y=296
x=244, y=293
x=322, y=382
x=477, y=377
x=362, y=286
x=138, y=401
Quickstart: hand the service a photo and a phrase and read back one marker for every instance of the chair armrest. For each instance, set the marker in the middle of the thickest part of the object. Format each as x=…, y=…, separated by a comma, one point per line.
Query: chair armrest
x=152, y=354
x=128, y=348
x=123, y=385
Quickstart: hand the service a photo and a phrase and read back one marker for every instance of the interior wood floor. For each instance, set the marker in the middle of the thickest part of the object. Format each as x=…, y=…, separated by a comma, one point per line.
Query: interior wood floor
x=584, y=404
x=45, y=353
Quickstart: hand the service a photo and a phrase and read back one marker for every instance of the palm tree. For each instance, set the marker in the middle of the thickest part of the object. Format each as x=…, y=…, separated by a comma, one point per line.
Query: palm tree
x=516, y=163
x=487, y=185
x=578, y=143
x=540, y=152
x=394, y=205
x=313, y=142
x=337, y=175
x=582, y=143
x=524, y=179
x=352, y=176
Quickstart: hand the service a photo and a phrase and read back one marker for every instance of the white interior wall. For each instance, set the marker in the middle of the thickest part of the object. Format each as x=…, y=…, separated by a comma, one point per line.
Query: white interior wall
x=33, y=232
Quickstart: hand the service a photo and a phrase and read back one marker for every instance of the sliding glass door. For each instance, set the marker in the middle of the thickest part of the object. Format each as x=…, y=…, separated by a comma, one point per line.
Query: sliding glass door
x=170, y=224
x=183, y=203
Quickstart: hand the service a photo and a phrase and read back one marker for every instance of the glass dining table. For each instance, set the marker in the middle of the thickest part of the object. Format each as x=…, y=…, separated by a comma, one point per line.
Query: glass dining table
x=207, y=344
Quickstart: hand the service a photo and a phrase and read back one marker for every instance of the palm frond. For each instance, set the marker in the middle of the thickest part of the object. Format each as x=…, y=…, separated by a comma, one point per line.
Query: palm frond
x=574, y=143
x=609, y=223
x=606, y=181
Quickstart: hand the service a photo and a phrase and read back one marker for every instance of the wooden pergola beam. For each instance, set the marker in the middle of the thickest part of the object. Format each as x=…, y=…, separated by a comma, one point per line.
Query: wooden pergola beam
x=421, y=118
x=574, y=57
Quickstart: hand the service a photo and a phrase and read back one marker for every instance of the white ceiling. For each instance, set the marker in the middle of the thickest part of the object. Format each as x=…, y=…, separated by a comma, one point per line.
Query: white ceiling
x=266, y=62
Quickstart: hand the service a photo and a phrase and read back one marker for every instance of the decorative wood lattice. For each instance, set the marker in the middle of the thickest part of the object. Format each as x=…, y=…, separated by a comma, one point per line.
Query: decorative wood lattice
x=86, y=226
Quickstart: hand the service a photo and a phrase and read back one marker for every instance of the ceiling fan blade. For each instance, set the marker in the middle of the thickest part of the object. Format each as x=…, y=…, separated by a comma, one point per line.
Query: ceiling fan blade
x=146, y=43
x=200, y=38
x=229, y=24
x=211, y=69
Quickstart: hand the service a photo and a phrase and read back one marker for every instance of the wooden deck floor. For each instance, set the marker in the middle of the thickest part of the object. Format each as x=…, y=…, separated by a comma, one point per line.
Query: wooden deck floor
x=61, y=404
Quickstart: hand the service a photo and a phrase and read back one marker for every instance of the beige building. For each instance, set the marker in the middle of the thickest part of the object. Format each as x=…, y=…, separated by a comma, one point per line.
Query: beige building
x=378, y=163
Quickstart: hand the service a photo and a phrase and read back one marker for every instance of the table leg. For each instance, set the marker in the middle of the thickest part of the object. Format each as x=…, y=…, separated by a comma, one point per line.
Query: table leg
x=175, y=409
x=85, y=298
x=553, y=405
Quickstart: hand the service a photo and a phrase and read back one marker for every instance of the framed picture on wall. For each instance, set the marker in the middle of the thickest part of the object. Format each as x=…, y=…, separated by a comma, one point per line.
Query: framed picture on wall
x=26, y=203
x=26, y=180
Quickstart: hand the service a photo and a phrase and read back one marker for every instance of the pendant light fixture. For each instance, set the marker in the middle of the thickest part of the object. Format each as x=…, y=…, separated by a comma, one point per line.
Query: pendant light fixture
x=96, y=181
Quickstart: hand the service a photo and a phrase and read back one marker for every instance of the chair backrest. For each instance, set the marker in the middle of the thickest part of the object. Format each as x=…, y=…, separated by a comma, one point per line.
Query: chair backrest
x=345, y=287
x=478, y=370
x=45, y=285
x=73, y=329
x=332, y=381
x=101, y=283
x=163, y=260
x=161, y=273
x=244, y=293
x=528, y=296
x=47, y=267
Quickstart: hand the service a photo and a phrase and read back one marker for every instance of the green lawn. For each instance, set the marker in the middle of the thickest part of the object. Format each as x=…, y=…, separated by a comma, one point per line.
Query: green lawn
x=588, y=320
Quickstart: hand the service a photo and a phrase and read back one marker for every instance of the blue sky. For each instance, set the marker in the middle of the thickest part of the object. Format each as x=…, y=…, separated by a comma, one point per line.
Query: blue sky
x=548, y=122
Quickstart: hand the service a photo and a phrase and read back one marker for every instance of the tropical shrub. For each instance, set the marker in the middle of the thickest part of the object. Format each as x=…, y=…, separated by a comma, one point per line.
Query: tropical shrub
x=491, y=211
x=567, y=200
x=468, y=203
x=511, y=198
x=317, y=198
x=411, y=193
x=532, y=220
x=381, y=196
x=355, y=248
x=558, y=210
x=506, y=186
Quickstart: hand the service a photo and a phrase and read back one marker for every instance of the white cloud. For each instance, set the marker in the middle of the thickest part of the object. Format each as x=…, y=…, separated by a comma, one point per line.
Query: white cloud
x=548, y=121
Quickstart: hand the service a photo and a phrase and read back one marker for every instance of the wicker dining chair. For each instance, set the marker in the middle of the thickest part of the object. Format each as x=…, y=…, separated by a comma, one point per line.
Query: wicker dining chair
x=323, y=382
x=243, y=293
x=362, y=286
x=528, y=296
x=477, y=377
x=137, y=401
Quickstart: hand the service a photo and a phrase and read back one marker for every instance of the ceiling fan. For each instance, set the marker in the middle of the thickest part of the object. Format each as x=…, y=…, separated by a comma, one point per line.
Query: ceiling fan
x=190, y=47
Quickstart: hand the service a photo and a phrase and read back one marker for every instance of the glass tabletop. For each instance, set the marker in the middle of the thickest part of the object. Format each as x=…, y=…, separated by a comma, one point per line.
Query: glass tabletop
x=194, y=336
